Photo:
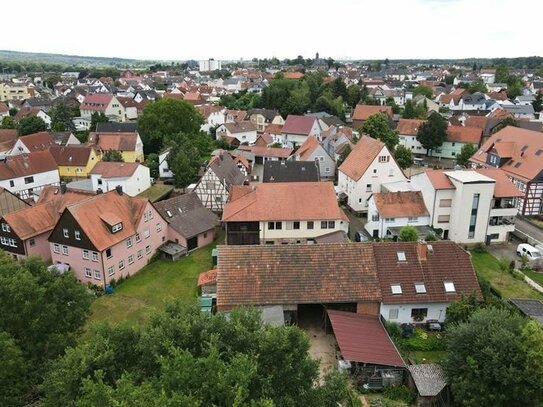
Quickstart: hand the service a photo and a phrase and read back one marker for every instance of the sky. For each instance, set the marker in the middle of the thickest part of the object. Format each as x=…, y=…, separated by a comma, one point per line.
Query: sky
x=341, y=29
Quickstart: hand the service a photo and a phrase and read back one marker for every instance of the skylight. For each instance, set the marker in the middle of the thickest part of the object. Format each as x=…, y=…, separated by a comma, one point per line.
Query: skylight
x=169, y=214
x=449, y=287
x=420, y=288
x=396, y=288
x=401, y=256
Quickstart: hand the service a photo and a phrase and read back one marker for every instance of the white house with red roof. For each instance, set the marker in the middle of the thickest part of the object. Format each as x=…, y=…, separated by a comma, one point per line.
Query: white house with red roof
x=102, y=103
x=133, y=178
x=297, y=129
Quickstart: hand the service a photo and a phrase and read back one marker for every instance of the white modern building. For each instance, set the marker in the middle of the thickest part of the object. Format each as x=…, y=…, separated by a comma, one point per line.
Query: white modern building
x=209, y=65
x=133, y=178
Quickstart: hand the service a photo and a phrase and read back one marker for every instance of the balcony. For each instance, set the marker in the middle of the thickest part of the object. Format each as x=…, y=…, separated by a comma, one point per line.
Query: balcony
x=504, y=203
x=507, y=222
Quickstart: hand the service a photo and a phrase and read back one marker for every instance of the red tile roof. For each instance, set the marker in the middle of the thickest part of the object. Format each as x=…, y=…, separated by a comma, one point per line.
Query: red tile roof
x=108, y=169
x=37, y=141
x=293, y=75
x=27, y=164
x=96, y=102
x=296, y=274
x=73, y=155
x=7, y=139
x=361, y=157
x=362, y=112
x=115, y=141
x=504, y=187
x=409, y=127
x=283, y=201
x=439, y=180
x=400, y=204
x=274, y=129
x=207, y=277
x=307, y=148
x=261, y=151
x=362, y=338
x=300, y=125
x=460, y=134
x=447, y=263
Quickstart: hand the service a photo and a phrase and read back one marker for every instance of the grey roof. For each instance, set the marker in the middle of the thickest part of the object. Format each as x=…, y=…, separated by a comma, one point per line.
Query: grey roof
x=226, y=170
x=429, y=378
x=531, y=308
x=60, y=137
x=187, y=215
x=290, y=171
x=333, y=121
x=519, y=109
x=319, y=115
x=269, y=114
x=112, y=127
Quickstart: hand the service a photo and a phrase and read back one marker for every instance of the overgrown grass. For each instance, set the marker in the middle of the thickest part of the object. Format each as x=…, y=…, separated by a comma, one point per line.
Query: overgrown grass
x=502, y=282
x=136, y=297
x=156, y=192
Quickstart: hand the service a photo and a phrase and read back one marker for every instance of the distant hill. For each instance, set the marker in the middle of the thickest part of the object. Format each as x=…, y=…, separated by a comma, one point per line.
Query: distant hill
x=68, y=60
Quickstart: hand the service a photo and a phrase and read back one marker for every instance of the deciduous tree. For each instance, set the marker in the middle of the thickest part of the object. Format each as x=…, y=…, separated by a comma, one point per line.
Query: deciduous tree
x=433, y=132
x=30, y=125
x=403, y=156
x=423, y=90
x=465, y=154
x=408, y=234
x=113, y=155
x=377, y=127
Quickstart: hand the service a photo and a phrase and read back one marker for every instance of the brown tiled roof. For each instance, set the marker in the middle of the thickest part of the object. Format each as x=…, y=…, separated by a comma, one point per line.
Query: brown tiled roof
x=207, y=277
x=362, y=112
x=43, y=216
x=307, y=148
x=524, y=163
x=361, y=157
x=226, y=169
x=27, y=164
x=7, y=139
x=448, y=263
x=238, y=115
x=504, y=187
x=240, y=127
x=296, y=274
x=409, y=127
x=76, y=155
x=261, y=151
x=96, y=102
x=38, y=141
x=27, y=111
x=400, y=204
x=274, y=129
x=439, y=180
x=93, y=213
x=460, y=134
x=109, y=169
x=284, y=201
x=477, y=121
x=115, y=141
x=3, y=108
x=208, y=110
x=298, y=124
x=293, y=75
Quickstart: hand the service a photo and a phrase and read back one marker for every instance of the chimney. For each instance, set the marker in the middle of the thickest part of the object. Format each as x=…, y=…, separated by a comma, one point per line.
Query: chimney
x=422, y=250
x=119, y=189
x=99, y=191
x=62, y=187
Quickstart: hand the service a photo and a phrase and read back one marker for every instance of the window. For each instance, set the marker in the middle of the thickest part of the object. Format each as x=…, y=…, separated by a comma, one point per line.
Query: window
x=5, y=227
x=331, y=224
x=384, y=158
x=12, y=242
x=65, y=232
x=158, y=227
x=205, y=235
x=389, y=220
x=393, y=313
x=368, y=187
x=296, y=225
x=94, y=256
x=147, y=249
x=327, y=170
x=375, y=170
x=110, y=270
x=310, y=224
x=32, y=242
x=116, y=228
x=146, y=233
x=396, y=289
x=11, y=183
x=131, y=259
x=401, y=256
x=443, y=218
x=449, y=287
x=77, y=234
x=138, y=238
x=88, y=272
x=324, y=224
x=121, y=265
x=86, y=254
x=4, y=240
x=29, y=180
x=139, y=254
x=375, y=218
x=218, y=199
x=145, y=216
x=129, y=242
x=473, y=217
x=56, y=248
x=108, y=253
x=420, y=288
x=65, y=250
x=150, y=214
x=445, y=203
x=418, y=314
x=412, y=219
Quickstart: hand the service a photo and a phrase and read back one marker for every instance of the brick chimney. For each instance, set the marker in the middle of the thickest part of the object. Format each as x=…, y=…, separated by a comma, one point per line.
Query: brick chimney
x=422, y=251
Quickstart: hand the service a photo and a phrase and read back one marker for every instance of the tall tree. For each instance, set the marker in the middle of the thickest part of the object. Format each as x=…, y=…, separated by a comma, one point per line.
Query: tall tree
x=97, y=117
x=30, y=125
x=408, y=110
x=494, y=360
x=502, y=73
x=403, y=156
x=61, y=117
x=538, y=102
x=184, y=357
x=152, y=162
x=377, y=127
x=164, y=119
x=465, y=154
x=113, y=156
x=353, y=95
x=8, y=123
x=433, y=132
x=423, y=90
x=408, y=234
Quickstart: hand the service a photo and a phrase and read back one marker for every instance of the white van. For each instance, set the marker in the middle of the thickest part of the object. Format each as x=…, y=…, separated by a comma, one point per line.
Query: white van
x=529, y=251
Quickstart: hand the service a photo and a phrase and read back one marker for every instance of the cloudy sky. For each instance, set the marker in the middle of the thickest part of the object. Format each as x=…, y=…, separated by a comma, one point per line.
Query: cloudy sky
x=355, y=29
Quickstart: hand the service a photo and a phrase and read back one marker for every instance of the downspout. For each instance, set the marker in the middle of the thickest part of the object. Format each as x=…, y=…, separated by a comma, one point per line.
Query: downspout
x=103, y=270
x=434, y=205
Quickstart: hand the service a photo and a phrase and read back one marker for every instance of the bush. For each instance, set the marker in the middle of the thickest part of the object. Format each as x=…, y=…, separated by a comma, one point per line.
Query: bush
x=401, y=393
x=479, y=248
x=423, y=341
x=394, y=330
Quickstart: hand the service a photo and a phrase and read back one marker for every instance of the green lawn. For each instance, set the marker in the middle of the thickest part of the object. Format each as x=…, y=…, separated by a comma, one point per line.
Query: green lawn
x=487, y=268
x=430, y=356
x=135, y=298
x=537, y=277
x=156, y=192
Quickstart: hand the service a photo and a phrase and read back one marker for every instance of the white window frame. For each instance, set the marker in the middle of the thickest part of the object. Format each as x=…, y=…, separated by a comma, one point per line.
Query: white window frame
x=97, y=275
x=420, y=288
x=56, y=248
x=129, y=242
x=77, y=235
x=138, y=237
x=86, y=254
x=148, y=249
x=65, y=250
x=139, y=254
x=396, y=289
x=121, y=264
x=131, y=259
x=88, y=272
x=110, y=270
x=94, y=256
x=449, y=287
x=66, y=233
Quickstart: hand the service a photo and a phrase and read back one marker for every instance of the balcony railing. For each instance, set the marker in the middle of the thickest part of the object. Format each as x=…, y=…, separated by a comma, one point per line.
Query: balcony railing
x=501, y=220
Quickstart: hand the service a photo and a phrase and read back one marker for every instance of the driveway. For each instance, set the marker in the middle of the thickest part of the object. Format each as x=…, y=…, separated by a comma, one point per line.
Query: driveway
x=529, y=229
x=356, y=223
x=506, y=251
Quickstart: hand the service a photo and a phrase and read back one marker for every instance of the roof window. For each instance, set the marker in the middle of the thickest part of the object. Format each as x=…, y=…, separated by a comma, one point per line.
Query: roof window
x=449, y=287
x=401, y=256
x=396, y=289
x=420, y=288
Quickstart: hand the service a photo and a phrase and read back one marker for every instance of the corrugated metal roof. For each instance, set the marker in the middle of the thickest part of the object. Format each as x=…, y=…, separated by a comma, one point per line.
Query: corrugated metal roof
x=362, y=338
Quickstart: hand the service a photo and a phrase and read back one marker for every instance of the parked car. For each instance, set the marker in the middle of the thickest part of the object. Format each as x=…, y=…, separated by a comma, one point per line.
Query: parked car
x=525, y=249
x=361, y=236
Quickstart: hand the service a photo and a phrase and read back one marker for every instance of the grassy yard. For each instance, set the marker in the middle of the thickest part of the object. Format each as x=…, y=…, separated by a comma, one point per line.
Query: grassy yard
x=487, y=268
x=135, y=298
x=156, y=192
x=537, y=277
x=429, y=356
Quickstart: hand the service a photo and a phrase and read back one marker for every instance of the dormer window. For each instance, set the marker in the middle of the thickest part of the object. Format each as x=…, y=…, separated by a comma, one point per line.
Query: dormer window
x=396, y=289
x=66, y=233
x=117, y=227
x=449, y=287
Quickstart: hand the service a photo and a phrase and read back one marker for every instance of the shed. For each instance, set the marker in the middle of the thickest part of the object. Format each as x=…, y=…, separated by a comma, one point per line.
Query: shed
x=363, y=341
x=172, y=251
x=430, y=383
x=530, y=308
